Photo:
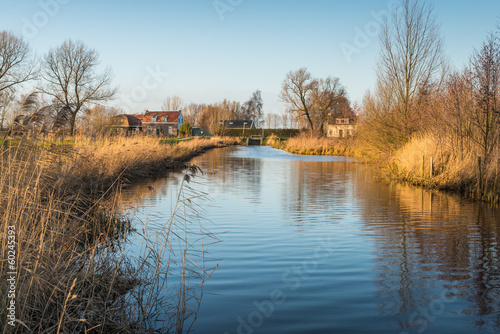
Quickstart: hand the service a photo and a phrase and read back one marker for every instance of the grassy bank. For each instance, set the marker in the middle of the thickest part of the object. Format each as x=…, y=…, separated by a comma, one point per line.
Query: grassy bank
x=304, y=144
x=427, y=160
x=435, y=162
x=60, y=234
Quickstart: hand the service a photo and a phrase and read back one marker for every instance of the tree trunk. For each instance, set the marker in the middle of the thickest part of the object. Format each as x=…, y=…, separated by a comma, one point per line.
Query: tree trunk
x=72, y=122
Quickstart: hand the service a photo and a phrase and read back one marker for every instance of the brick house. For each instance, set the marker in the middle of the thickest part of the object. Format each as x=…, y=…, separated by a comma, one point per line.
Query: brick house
x=166, y=123
x=127, y=123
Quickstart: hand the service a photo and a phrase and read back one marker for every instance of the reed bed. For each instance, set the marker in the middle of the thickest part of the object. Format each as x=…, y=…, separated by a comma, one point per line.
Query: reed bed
x=305, y=144
x=72, y=270
x=451, y=169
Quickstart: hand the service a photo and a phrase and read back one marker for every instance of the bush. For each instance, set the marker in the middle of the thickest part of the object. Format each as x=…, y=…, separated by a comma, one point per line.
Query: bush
x=185, y=130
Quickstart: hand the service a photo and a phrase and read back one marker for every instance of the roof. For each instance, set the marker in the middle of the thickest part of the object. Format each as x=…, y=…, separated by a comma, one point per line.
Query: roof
x=173, y=116
x=131, y=119
x=134, y=119
x=238, y=124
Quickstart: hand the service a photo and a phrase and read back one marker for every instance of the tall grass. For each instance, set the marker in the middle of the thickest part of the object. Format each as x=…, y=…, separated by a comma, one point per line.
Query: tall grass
x=73, y=271
x=453, y=169
x=305, y=144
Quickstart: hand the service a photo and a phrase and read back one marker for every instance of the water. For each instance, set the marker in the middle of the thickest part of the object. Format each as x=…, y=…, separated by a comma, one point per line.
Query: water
x=317, y=245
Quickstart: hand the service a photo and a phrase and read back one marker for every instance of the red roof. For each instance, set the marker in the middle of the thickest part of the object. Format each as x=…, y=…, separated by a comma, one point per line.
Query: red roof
x=131, y=120
x=134, y=119
x=172, y=116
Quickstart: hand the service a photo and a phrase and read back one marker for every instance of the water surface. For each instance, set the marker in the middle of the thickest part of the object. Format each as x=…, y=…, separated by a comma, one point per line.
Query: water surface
x=317, y=245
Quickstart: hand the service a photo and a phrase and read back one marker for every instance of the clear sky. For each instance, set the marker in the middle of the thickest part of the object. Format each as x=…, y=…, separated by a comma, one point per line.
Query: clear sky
x=220, y=49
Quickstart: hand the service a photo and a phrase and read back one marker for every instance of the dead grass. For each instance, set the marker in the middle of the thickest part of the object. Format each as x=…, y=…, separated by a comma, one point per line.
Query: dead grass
x=72, y=274
x=305, y=144
x=452, y=170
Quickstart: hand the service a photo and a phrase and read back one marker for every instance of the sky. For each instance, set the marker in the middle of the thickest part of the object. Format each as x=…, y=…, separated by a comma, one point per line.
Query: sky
x=208, y=50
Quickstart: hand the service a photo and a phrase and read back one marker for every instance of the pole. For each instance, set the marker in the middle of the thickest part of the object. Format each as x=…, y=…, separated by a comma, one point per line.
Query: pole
x=423, y=166
x=480, y=177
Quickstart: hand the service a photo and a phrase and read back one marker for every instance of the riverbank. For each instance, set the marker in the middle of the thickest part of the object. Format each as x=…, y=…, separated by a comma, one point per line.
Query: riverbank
x=424, y=161
x=60, y=225
x=433, y=162
x=306, y=145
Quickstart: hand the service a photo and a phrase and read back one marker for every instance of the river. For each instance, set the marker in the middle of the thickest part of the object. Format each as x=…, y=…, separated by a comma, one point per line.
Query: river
x=320, y=245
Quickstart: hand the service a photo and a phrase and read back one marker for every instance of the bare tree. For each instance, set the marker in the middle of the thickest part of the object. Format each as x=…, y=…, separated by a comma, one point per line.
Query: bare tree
x=252, y=109
x=173, y=103
x=327, y=97
x=275, y=119
x=210, y=118
x=69, y=72
x=458, y=106
x=284, y=121
x=296, y=93
x=411, y=59
x=268, y=120
x=486, y=79
x=6, y=100
x=229, y=110
x=97, y=119
x=192, y=112
x=16, y=63
x=213, y=116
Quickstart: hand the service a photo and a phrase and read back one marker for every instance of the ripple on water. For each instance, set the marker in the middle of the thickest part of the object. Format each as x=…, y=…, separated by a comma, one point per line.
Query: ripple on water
x=349, y=254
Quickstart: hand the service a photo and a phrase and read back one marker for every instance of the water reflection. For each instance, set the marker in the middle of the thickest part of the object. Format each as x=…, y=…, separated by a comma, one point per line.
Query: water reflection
x=430, y=248
x=406, y=259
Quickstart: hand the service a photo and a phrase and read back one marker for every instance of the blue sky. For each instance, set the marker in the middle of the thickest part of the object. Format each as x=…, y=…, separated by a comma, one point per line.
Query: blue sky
x=211, y=54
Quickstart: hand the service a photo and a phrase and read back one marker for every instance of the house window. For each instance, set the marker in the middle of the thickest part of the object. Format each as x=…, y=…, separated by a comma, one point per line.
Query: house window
x=121, y=120
x=154, y=119
x=169, y=130
x=230, y=123
x=341, y=133
x=164, y=119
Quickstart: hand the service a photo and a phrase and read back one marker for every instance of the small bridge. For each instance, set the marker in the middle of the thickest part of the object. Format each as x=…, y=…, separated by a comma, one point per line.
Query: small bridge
x=255, y=140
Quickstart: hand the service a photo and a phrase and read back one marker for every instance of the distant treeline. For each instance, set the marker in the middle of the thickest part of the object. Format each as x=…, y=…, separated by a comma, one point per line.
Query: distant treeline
x=282, y=133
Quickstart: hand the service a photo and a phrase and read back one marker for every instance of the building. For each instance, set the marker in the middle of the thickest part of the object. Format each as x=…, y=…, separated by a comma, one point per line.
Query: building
x=199, y=132
x=127, y=123
x=166, y=123
x=238, y=125
x=341, y=128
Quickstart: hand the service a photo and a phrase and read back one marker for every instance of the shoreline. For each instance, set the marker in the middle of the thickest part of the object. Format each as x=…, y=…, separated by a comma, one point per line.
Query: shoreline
x=390, y=171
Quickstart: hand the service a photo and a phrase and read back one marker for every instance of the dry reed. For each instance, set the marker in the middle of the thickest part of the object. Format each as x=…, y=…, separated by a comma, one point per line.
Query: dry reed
x=452, y=169
x=73, y=274
x=305, y=144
